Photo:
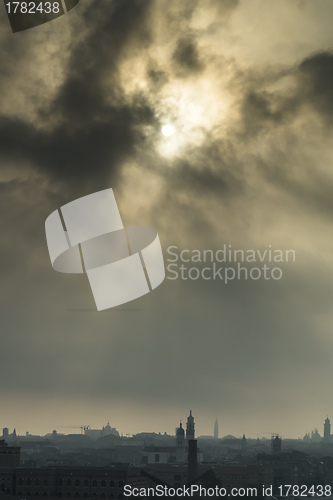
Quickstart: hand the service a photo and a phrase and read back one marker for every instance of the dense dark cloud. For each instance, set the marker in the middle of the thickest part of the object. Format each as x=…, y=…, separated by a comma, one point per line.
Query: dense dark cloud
x=266, y=114
x=263, y=109
x=96, y=128
x=187, y=58
x=93, y=126
x=316, y=82
x=74, y=153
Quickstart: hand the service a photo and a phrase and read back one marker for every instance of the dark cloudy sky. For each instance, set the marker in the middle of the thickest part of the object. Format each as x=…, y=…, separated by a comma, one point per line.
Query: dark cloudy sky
x=248, y=88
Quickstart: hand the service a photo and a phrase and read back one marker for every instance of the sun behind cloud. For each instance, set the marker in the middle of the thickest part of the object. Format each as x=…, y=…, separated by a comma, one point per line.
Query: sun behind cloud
x=168, y=130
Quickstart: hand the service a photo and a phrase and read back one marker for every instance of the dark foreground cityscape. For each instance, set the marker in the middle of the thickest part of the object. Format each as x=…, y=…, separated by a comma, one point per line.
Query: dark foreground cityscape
x=101, y=464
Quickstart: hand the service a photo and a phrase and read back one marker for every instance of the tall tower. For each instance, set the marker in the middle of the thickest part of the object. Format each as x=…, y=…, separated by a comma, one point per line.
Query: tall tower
x=190, y=427
x=276, y=443
x=180, y=435
x=216, y=430
x=181, y=445
x=327, y=429
x=244, y=443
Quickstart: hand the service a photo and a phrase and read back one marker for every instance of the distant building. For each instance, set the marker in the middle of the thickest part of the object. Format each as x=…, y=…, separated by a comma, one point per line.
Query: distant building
x=192, y=460
x=69, y=482
x=9, y=455
x=177, y=454
x=190, y=427
x=231, y=476
x=291, y=467
x=159, y=455
x=97, y=433
x=108, y=430
x=276, y=444
x=216, y=430
x=315, y=436
x=327, y=429
x=180, y=445
x=33, y=448
x=307, y=437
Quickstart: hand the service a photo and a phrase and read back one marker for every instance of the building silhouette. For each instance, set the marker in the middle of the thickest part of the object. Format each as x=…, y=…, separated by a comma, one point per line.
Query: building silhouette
x=315, y=436
x=177, y=454
x=180, y=445
x=190, y=427
x=216, y=430
x=327, y=429
x=73, y=482
x=9, y=455
x=97, y=433
x=276, y=444
x=192, y=460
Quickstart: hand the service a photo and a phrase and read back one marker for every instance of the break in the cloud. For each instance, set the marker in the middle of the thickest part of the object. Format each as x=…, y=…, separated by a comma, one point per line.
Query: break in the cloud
x=83, y=100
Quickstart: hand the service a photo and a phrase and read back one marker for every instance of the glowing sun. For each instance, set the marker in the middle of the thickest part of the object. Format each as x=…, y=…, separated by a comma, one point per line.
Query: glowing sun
x=168, y=130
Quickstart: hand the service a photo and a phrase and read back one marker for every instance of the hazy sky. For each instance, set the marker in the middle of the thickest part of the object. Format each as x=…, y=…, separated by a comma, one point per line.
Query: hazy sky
x=248, y=88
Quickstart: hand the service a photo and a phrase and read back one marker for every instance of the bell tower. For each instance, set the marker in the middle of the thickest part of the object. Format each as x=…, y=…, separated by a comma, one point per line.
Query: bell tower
x=216, y=430
x=180, y=435
x=327, y=429
x=190, y=427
